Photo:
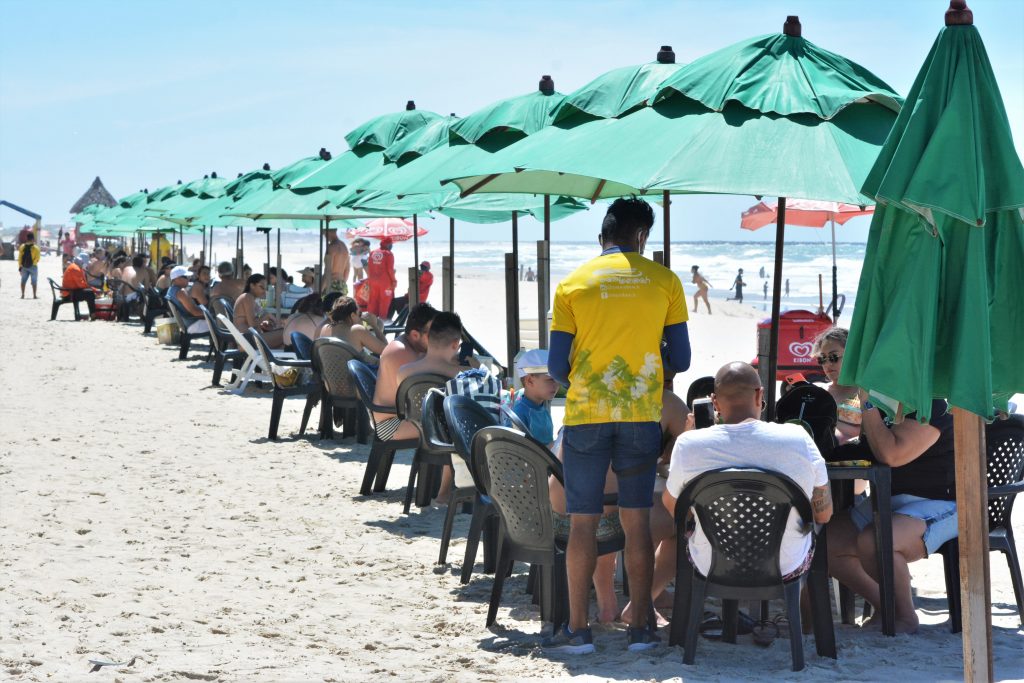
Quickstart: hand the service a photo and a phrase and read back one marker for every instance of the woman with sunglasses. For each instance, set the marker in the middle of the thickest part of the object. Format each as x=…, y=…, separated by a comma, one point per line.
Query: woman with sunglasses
x=828, y=351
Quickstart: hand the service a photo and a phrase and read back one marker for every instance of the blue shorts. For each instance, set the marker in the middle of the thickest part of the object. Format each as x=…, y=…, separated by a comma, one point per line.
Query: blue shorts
x=29, y=272
x=939, y=517
x=632, y=450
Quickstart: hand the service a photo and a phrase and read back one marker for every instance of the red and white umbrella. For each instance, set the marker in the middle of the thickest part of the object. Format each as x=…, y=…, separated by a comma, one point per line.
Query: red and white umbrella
x=397, y=229
x=812, y=214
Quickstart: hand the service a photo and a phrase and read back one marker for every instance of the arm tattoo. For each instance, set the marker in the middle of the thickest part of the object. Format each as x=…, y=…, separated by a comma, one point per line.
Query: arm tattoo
x=821, y=499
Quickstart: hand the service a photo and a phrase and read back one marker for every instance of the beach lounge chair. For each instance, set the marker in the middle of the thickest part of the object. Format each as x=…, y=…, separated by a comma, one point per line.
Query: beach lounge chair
x=465, y=417
x=340, y=404
x=428, y=462
x=291, y=384
x=59, y=300
x=744, y=514
x=1004, y=440
x=253, y=368
x=397, y=326
x=221, y=341
x=515, y=469
x=382, y=452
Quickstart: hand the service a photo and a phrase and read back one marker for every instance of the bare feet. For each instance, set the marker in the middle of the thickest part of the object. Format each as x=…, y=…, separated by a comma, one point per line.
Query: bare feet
x=627, y=615
x=902, y=625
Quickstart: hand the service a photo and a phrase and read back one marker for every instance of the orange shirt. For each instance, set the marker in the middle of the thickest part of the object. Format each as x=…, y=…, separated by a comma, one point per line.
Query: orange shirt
x=74, y=278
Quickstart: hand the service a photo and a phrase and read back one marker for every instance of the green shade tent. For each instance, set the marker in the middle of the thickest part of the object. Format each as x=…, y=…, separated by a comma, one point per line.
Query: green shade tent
x=938, y=312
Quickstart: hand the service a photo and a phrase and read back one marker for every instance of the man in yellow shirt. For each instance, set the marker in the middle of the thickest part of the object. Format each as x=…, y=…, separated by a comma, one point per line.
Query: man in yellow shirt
x=610, y=317
x=28, y=263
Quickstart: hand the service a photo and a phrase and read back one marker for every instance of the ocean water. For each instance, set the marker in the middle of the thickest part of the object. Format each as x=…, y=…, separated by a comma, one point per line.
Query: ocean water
x=719, y=262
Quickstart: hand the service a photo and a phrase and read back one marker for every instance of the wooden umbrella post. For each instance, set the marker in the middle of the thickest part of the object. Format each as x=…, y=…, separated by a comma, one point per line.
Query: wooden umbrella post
x=972, y=513
x=773, y=340
x=666, y=225
x=513, y=292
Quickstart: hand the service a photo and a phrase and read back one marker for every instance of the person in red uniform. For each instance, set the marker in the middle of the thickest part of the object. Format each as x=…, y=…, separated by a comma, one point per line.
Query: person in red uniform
x=380, y=274
x=426, y=279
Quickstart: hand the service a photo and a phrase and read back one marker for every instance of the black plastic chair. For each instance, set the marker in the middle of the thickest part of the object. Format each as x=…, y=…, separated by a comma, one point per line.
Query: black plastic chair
x=438, y=438
x=281, y=390
x=743, y=514
x=701, y=387
x=375, y=478
x=397, y=326
x=1004, y=441
x=303, y=346
x=185, y=337
x=516, y=468
x=514, y=420
x=155, y=307
x=221, y=341
x=465, y=417
x=136, y=308
x=427, y=462
x=337, y=392
x=814, y=409
x=223, y=306
x=59, y=300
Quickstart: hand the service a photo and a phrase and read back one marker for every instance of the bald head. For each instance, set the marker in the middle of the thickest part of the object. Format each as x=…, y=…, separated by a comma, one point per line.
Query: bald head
x=737, y=393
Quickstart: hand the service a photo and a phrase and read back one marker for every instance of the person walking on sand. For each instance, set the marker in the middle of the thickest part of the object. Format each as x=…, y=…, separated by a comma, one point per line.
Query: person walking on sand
x=766, y=290
x=28, y=263
x=738, y=285
x=702, y=289
x=610, y=316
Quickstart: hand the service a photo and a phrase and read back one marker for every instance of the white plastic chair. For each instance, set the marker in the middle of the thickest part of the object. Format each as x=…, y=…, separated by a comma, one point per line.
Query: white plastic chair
x=254, y=368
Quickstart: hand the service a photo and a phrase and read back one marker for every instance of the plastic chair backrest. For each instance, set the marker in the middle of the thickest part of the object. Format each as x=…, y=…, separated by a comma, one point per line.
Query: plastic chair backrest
x=55, y=290
x=517, y=469
x=433, y=423
x=514, y=420
x=267, y=354
x=1004, y=440
x=239, y=338
x=178, y=317
x=814, y=406
x=465, y=417
x=409, y=398
x=366, y=384
x=222, y=306
x=701, y=387
x=215, y=329
x=330, y=357
x=303, y=346
x=743, y=514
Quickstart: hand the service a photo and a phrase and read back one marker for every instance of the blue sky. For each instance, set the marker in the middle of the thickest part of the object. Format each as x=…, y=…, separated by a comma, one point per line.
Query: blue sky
x=145, y=93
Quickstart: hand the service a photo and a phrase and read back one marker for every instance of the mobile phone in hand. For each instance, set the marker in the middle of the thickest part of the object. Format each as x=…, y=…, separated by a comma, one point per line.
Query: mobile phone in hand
x=703, y=413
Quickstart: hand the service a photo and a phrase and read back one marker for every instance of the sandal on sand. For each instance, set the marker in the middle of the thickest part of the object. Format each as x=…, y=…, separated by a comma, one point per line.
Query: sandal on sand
x=712, y=627
x=765, y=633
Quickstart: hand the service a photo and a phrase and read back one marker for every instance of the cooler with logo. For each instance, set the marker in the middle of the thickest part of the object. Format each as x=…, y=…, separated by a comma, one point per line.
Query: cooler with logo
x=797, y=330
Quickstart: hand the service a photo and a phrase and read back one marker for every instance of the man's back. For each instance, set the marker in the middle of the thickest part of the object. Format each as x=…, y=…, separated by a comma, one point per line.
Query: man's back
x=429, y=365
x=783, y=448
x=396, y=354
x=617, y=306
x=229, y=288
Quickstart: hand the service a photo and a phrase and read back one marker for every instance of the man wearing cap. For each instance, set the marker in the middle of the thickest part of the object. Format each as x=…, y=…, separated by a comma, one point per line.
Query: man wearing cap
x=178, y=297
x=538, y=388
x=292, y=293
x=610, y=316
x=227, y=285
x=76, y=287
x=336, y=265
x=380, y=275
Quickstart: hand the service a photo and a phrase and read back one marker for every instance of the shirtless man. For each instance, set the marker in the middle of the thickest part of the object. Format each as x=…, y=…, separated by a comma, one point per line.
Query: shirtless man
x=228, y=286
x=97, y=269
x=443, y=344
x=336, y=265
x=404, y=349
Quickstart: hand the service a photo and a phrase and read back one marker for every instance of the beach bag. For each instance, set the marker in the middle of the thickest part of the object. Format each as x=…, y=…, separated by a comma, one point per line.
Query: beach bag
x=289, y=377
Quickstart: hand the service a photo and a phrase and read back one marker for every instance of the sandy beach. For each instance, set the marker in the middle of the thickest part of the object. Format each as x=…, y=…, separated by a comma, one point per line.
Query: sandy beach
x=144, y=516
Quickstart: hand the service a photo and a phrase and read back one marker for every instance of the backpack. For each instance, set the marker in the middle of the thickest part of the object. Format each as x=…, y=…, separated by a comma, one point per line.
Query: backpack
x=26, y=256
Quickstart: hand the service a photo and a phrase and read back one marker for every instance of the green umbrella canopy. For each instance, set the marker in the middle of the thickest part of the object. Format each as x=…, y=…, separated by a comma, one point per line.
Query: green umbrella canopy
x=478, y=209
x=420, y=141
x=779, y=73
x=681, y=145
x=383, y=131
x=619, y=91
x=938, y=311
x=191, y=196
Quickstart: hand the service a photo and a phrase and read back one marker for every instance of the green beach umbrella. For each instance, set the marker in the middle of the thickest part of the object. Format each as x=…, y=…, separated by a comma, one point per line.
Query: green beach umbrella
x=937, y=312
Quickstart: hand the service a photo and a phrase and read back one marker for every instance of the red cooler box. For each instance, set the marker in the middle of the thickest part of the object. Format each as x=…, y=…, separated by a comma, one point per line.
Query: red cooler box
x=797, y=330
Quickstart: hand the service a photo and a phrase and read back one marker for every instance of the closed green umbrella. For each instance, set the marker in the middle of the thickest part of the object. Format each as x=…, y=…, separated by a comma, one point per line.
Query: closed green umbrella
x=938, y=310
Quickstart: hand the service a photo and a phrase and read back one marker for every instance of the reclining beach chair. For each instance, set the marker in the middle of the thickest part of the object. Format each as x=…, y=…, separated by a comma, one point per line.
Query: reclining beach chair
x=278, y=365
x=59, y=300
x=375, y=478
x=221, y=340
x=744, y=514
x=428, y=462
x=253, y=368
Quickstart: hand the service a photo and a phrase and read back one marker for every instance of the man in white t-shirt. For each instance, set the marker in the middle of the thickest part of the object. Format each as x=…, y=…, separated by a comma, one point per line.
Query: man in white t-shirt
x=742, y=440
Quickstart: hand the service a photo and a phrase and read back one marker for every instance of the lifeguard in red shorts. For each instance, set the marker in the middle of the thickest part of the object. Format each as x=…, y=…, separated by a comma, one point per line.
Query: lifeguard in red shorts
x=380, y=275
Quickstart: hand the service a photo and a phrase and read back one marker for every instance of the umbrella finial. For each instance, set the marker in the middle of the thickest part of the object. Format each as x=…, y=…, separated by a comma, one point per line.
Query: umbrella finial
x=410, y=105
x=239, y=175
x=324, y=154
x=792, y=26
x=959, y=14
x=213, y=174
x=179, y=181
x=666, y=55
x=266, y=167
x=547, y=86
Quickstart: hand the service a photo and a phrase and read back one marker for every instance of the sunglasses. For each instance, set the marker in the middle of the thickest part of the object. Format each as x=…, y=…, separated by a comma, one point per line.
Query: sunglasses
x=828, y=358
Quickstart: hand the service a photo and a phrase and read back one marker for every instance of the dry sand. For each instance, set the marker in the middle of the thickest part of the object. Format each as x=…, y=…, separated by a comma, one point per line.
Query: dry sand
x=143, y=514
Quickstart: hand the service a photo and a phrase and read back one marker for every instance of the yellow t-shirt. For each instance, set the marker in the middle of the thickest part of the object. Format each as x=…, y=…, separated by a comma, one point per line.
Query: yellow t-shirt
x=616, y=306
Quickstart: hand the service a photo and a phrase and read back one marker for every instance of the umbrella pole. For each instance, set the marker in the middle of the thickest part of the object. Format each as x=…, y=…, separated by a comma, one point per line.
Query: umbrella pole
x=448, y=270
x=512, y=293
x=666, y=217
x=975, y=580
x=414, y=289
x=544, y=277
x=773, y=340
x=324, y=227
x=280, y=280
x=835, y=284
x=241, y=250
